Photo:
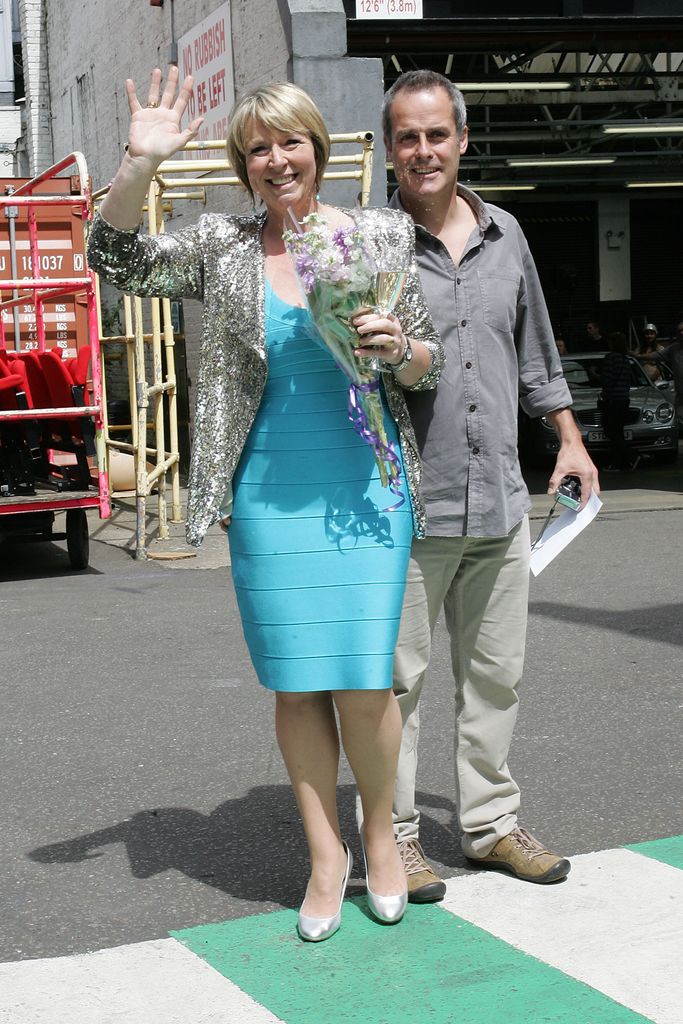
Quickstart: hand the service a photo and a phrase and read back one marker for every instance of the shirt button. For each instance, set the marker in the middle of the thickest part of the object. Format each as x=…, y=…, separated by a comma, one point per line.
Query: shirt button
x=475, y=451
x=457, y=280
x=472, y=408
x=468, y=366
x=463, y=323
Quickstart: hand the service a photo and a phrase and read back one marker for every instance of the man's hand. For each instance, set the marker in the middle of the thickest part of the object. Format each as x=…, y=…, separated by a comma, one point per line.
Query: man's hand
x=572, y=458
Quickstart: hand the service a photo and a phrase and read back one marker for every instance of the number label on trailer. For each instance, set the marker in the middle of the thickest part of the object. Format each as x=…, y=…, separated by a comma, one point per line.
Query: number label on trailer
x=61, y=254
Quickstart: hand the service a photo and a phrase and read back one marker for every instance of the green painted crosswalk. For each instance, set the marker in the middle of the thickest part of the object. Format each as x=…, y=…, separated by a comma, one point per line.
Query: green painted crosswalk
x=601, y=948
x=668, y=851
x=435, y=967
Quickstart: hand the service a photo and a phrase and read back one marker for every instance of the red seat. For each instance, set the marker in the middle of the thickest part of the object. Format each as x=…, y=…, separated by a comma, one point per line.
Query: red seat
x=18, y=448
x=18, y=366
x=58, y=380
x=40, y=393
x=10, y=384
x=76, y=435
x=78, y=367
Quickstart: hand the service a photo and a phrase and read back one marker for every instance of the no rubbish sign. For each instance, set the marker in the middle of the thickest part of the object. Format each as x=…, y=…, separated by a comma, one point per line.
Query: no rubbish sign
x=205, y=52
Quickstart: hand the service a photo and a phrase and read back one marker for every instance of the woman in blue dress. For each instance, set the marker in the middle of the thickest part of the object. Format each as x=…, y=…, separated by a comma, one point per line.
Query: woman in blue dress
x=318, y=559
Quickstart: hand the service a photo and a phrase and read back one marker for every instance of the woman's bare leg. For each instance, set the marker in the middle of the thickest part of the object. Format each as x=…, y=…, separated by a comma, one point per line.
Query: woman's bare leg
x=370, y=723
x=306, y=731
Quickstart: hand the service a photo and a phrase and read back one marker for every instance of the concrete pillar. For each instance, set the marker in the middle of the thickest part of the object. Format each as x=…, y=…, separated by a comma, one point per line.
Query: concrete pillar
x=348, y=90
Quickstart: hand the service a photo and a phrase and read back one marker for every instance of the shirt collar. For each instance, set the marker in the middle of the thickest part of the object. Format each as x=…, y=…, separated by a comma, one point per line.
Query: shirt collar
x=485, y=214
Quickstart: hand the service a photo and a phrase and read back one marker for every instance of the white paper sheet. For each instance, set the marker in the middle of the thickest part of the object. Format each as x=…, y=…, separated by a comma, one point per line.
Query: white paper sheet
x=561, y=532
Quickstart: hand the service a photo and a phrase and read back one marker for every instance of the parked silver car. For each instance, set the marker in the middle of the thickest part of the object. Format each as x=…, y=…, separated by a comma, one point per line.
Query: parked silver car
x=651, y=426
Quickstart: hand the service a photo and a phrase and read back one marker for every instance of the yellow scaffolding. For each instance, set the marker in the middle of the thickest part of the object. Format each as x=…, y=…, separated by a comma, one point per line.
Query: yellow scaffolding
x=180, y=179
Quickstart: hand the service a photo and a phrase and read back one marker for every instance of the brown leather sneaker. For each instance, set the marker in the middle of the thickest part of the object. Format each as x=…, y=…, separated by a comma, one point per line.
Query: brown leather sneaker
x=424, y=886
x=523, y=856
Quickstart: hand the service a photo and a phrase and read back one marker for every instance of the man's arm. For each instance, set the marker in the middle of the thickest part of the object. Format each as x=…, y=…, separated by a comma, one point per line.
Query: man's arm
x=543, y=391
x=572, y=458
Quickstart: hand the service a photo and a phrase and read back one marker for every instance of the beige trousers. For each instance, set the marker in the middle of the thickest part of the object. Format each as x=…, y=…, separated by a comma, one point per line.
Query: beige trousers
x=483, y=586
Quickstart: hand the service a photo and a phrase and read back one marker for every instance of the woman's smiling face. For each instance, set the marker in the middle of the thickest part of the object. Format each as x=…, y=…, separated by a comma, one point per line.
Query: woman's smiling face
x=281, y=168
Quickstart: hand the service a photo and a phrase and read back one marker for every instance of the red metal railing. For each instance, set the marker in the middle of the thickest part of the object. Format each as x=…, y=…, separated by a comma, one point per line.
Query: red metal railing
x=37, y=290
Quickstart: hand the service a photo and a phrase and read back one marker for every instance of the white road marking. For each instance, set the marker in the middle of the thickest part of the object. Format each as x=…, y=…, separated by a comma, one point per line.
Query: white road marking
x=615, y=924
x=158, y=982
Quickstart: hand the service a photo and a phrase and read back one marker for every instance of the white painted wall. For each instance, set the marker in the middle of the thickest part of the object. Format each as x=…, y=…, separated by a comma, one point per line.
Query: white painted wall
x=614, y=249
x=33, y=28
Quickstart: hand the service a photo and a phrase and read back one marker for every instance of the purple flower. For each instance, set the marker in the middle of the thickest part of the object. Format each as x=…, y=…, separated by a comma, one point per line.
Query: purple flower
x=306, y=270
x=341, y=237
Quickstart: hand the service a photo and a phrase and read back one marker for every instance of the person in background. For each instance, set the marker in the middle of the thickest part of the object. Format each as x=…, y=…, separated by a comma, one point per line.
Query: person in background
x=615, y=376
x=561, y=345
x=672, y=355
x=649, y=347
x=595, y=339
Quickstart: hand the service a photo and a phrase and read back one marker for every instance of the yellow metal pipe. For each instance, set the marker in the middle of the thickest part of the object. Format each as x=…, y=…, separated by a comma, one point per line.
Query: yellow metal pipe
x=169, y=343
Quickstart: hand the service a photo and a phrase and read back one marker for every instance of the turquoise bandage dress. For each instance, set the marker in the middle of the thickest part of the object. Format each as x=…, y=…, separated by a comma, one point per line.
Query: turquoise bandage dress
x=318, y=562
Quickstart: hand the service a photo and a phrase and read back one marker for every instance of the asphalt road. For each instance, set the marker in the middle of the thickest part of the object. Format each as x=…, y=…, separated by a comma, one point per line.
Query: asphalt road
x=142, y=786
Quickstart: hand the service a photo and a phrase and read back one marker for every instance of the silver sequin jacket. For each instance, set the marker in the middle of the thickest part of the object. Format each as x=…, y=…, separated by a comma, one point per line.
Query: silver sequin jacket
x=220, y=261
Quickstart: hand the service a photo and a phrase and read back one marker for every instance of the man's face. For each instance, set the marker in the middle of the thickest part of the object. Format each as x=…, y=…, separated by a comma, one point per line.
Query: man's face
x=649, y=336
x=593, y=330
x=424, y=145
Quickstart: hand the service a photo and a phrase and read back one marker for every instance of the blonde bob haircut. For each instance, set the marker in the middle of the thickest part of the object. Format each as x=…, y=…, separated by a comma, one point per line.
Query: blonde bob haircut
x=282, y=107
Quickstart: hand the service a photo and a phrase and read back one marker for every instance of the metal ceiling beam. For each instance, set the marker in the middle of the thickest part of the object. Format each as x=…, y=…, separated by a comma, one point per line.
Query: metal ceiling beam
x=567, y=97
x=513, y=36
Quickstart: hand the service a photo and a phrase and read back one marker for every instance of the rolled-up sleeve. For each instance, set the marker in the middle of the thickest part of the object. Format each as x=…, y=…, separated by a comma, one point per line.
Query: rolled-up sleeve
x=542, y=387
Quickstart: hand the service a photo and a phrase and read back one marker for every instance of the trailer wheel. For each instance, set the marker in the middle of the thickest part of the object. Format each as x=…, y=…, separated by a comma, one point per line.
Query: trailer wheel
x=77, y=539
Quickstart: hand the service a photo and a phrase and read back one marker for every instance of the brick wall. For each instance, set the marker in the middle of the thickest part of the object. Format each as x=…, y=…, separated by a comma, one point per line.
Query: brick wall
x=95, y=45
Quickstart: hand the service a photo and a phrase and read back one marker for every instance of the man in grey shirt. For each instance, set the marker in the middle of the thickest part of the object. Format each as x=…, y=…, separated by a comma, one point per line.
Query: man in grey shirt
x=486, y=300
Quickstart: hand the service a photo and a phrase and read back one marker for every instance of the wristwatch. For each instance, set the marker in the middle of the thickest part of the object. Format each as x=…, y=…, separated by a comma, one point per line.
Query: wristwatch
x=407, y=356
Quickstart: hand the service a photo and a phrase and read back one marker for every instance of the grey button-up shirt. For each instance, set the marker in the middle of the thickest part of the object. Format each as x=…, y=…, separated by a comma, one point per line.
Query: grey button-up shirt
x=500, y=350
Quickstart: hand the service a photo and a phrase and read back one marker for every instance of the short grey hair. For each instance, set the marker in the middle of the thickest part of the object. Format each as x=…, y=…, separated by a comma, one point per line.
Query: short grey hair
x=414, y=81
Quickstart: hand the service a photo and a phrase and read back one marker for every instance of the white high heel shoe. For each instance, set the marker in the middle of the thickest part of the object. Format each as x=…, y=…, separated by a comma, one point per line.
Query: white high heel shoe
x=316, y=929
x=387, y=909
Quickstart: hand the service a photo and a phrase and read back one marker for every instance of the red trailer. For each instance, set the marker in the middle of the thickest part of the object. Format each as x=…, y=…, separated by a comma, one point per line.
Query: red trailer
x=52, y=456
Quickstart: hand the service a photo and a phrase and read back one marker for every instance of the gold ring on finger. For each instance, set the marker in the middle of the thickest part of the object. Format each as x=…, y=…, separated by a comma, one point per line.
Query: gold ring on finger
x=152, y=104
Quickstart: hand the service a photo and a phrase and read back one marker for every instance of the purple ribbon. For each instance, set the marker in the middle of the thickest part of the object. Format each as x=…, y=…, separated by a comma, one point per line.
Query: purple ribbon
x=385, y=452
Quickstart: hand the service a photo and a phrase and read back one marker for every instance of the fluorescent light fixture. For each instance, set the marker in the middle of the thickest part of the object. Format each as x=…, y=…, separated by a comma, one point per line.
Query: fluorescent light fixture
x=512, y=86
x=654, y=184
x=568, y=161
x=476, y=187
x=646, y=128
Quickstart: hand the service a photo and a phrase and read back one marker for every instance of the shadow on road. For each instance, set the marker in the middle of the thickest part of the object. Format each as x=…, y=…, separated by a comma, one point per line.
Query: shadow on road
x=251, y=848
x=661, y=625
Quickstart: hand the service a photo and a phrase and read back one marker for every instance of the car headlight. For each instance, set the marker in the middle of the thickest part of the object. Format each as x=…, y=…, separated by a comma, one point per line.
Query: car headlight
x=664, y=412
x=648, y=416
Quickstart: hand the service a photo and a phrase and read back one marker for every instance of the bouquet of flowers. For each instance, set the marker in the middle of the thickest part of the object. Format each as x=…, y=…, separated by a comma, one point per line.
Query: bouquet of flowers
x=339, y=281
